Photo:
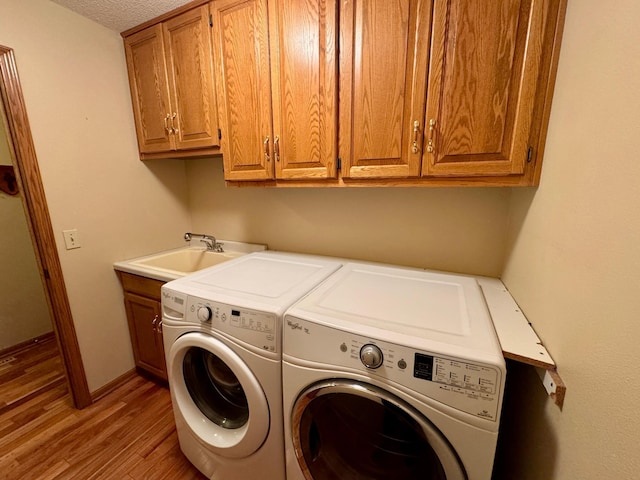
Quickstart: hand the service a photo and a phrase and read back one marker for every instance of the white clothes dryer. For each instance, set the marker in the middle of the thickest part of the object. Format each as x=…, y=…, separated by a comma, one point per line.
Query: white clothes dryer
x=222, y=330
x=391, y=373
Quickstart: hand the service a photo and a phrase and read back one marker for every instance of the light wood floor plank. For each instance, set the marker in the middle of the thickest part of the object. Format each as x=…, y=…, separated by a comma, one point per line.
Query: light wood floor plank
x=32, y=368
x=128, y=434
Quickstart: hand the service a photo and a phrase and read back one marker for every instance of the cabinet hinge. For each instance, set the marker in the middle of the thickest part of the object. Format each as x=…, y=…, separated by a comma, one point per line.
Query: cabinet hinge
x=529, y=154
x=219, y=134
x=339, y=164
x=210, y=20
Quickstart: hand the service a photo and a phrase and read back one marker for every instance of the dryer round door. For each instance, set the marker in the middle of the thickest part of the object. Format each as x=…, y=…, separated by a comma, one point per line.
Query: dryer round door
x=350, y=429
x=218, y=396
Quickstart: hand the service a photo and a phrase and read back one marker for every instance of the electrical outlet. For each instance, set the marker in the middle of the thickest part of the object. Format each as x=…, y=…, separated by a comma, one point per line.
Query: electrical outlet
x=71, y=239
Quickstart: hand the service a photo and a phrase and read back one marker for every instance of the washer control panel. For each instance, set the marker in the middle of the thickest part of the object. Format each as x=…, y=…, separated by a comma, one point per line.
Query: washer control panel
x=250, y=326
x=256, y=328
x=472, y=387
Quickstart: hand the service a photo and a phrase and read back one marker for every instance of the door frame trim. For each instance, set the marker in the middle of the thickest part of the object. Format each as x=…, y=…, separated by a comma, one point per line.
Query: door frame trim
x=30, y=185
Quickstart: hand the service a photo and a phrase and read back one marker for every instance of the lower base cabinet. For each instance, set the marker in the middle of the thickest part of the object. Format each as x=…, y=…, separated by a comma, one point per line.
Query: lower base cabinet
x=144, y=315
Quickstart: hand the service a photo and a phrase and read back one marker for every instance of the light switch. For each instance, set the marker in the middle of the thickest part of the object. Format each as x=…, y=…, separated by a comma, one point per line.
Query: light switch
x=71, y=239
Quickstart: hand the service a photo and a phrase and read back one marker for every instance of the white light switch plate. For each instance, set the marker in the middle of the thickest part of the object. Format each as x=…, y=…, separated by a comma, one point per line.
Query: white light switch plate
x=71, y=239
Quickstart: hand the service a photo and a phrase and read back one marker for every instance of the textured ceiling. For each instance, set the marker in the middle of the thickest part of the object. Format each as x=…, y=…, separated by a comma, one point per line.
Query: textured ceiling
x=120, y=15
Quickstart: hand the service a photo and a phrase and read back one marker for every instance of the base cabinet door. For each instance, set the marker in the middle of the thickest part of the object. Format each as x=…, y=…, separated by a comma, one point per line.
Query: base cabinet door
x=144, y=316
x=145, y=326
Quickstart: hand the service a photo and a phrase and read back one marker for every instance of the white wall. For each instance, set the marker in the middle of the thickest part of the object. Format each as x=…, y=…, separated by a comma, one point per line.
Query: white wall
x=24, y=313
x=73, y=75
x=573, y=262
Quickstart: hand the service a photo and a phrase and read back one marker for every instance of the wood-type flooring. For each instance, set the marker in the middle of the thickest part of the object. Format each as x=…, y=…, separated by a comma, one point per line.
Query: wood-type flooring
x=127, y=434
x=29, y=369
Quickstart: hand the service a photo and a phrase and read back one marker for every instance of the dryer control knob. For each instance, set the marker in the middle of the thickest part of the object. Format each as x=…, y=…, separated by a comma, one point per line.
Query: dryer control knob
x=204, y=314
x=371, y=356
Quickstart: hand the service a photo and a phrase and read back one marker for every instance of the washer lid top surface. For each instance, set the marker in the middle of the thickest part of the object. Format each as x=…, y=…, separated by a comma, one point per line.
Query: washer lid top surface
x=269, y=278
x=408, y=305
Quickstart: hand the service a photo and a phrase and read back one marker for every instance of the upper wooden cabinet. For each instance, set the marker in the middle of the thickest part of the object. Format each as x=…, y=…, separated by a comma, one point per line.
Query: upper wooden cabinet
x=170, y=68
x=383, y=74
x=241, y=52
x=443, y=88
x=275, y=63
x=483, y=76
x=351, y=92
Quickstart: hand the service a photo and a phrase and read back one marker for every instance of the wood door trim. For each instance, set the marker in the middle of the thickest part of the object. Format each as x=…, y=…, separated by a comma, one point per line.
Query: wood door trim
x=30, y=184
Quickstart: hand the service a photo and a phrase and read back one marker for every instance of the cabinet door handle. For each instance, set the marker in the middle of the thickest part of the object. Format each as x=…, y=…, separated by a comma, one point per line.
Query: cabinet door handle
x=159, y=327
x=173, y=125
x=416, y=127
x=266, y=149
x=432, y=133
x=166, y=123
x=153, y=323
x=276, y=148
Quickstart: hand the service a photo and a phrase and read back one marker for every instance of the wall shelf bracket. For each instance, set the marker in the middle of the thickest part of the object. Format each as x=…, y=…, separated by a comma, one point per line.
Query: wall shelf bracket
x=518, y=340
x=553, y=384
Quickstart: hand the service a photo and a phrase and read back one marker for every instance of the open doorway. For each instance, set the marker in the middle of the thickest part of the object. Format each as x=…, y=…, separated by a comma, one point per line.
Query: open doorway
x=28, y=182
x=30, y=361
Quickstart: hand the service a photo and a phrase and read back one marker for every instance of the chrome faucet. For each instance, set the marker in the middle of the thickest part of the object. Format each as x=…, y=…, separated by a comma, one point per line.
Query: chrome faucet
x=209, y=240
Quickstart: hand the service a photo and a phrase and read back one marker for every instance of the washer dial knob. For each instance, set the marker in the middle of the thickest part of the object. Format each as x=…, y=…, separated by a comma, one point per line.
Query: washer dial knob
x=204, y=314
x=371, y=356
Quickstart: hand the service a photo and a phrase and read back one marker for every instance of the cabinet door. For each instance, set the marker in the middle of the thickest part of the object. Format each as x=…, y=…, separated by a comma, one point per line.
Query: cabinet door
x=241, y=52
x=484, y=69
x=144, y=317
x=304, y=82
x=194, y=115
x=384, y=53
x=149, y=92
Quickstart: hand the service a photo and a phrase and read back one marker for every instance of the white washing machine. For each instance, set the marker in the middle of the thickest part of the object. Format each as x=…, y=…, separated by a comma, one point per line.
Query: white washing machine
x=391, y=373
x=222, y=330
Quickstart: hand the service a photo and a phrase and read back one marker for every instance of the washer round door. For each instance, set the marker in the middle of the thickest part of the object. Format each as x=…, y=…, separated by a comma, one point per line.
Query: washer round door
x=218, y=396
x=350, y=429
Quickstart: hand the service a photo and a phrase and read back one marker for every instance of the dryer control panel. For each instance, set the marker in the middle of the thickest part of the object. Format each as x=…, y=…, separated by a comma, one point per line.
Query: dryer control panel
x=466, y=385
